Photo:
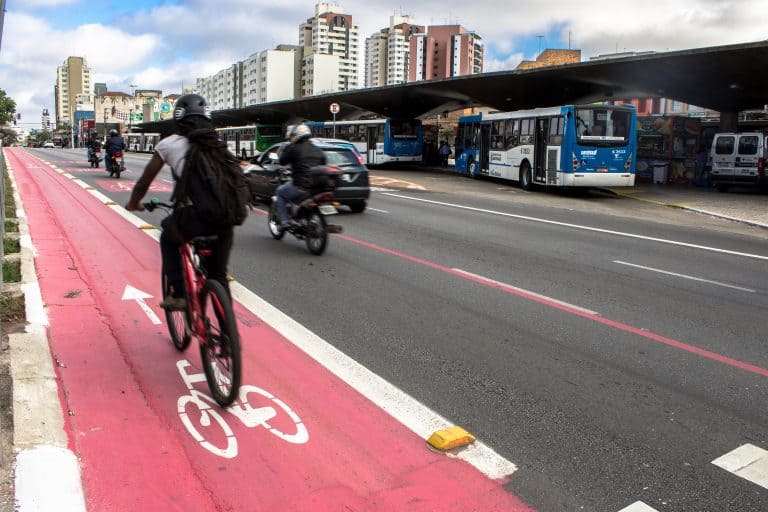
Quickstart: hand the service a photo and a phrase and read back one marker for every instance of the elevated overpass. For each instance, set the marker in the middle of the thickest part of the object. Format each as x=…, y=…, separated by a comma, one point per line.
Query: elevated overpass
x=728, y=79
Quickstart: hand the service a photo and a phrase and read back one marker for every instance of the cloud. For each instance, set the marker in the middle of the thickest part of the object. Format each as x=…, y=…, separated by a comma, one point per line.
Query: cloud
x=175, y=42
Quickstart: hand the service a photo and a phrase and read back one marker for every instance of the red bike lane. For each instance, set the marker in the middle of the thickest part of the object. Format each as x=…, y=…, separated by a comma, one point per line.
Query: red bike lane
x=137, y=411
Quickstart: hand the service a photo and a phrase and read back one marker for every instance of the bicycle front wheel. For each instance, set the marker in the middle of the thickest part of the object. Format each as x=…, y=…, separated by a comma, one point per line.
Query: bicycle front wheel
x=178, y=321
x=220, y=350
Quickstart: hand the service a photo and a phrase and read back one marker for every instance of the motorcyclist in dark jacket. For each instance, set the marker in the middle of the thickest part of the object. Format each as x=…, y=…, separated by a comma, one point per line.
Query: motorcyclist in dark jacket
x=94, y=143
x=114, y=143
x=301, y=155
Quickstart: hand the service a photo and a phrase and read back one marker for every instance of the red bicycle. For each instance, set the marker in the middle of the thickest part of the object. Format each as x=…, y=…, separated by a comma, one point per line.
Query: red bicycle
x=209, y=317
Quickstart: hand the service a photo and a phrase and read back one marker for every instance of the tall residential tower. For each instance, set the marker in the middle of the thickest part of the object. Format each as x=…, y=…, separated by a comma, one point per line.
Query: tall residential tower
x=329, y=32
x=387, y=52
x=73, y=79
x=445, y=51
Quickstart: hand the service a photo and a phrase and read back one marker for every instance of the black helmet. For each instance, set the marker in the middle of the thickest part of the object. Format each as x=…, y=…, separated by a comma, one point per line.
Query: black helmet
x=113, y=133
x=191, y=105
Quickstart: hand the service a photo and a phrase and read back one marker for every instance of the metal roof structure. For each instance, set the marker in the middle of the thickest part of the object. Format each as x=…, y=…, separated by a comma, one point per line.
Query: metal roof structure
x=722, y=78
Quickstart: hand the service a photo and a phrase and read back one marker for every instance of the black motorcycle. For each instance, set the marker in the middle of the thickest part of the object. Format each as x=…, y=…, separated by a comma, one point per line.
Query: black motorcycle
x=95, y=157
x=115, y=164
x=308, y=212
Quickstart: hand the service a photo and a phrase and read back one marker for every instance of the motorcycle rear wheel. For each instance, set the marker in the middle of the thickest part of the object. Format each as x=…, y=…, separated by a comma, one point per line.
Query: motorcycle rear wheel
x=317, y=233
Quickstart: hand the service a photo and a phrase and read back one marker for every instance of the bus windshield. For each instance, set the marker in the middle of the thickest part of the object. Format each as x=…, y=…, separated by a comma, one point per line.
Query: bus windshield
x=404, y=129
x=602, y=126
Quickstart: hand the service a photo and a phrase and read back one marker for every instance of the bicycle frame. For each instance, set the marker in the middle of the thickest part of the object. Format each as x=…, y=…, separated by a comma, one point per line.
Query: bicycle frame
x=194, y=279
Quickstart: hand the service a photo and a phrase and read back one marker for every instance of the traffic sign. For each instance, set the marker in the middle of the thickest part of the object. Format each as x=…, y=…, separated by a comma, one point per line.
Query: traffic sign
x=335, y=108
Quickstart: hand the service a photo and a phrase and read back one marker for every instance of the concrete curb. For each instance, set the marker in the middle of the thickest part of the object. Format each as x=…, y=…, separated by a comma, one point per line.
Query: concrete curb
x=47, y=473
x=686, y=207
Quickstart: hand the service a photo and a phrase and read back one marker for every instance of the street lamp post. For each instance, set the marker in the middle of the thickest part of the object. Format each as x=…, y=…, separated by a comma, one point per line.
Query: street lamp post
x=106, y=110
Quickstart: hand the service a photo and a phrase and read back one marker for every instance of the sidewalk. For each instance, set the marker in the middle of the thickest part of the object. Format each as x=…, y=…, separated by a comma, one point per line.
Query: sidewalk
x=749, y=206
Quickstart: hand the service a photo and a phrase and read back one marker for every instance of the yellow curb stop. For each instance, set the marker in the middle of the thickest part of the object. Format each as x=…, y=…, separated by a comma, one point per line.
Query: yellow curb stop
x=448, y=438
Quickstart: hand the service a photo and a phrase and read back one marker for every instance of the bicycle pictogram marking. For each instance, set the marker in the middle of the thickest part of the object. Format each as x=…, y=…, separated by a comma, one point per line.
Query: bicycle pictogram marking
x=210, y=414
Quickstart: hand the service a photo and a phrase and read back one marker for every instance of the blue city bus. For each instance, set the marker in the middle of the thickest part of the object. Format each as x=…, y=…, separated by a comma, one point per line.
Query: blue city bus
x=379, y=141
x=568, y=146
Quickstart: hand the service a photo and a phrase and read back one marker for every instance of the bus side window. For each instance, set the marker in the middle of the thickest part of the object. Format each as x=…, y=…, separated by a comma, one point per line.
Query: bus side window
x=526, y=131
x=512, y=138
x=555, y=131
x=497, y=135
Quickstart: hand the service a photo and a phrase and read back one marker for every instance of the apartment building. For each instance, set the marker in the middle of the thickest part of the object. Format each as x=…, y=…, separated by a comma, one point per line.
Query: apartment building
x=387, y=52
x=73, y=78
x=331, y=32
x=445, y=51
x=268, y=76
x=224, y=90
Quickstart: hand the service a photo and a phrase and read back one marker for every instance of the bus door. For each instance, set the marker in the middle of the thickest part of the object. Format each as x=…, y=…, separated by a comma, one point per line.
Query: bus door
x=484, y=146
x=373, y=136
x=540, y=150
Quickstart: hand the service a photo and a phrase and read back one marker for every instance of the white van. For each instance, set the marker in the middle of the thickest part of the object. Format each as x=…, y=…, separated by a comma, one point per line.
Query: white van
x=738, y=159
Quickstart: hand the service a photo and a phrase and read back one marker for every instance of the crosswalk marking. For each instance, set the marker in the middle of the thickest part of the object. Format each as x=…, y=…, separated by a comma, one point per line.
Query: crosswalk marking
x=747, y=461
x=638, y=506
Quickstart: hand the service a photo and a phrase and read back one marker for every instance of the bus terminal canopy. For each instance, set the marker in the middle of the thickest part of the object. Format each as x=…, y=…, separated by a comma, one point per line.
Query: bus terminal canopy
x=723, y=78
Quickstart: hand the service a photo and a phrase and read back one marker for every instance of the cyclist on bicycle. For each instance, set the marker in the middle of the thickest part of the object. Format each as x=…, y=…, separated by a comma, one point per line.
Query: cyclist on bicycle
x=301, y=154
x=194, y=126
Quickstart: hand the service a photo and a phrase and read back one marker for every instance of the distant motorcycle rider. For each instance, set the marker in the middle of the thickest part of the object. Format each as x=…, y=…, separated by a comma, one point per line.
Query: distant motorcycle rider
x=114, y=144
x=94, y=143
x=301, y=154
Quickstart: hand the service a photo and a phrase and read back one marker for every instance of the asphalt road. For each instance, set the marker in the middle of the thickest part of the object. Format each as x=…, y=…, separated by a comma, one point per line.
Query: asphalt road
x=611, y=349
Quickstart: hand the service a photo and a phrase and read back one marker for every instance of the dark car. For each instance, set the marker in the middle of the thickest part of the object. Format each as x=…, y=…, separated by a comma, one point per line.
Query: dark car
x=353, y=190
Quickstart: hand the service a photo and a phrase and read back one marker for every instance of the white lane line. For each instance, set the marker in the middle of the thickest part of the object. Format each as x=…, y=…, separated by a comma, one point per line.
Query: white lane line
x=638, y=506
x=398, y=404
x=692, y=278
x=523, y=290
x=377, y=210
x=585, y=228
x=748, y=462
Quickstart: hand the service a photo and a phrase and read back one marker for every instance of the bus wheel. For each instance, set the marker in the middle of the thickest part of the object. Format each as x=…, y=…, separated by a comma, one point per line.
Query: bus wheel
x=472, y=169
x=525, y=177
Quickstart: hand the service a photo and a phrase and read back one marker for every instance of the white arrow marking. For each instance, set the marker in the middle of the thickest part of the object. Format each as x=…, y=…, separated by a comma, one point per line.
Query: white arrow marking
x=131, y=293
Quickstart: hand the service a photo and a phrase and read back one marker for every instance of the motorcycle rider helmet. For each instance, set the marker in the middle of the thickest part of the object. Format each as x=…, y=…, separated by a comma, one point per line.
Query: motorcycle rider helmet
x=191, y=105
x=300, y=131
x=113, y=133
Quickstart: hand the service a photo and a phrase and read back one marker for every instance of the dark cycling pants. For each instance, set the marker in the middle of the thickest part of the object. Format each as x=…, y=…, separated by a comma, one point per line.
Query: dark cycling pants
x=185, y=224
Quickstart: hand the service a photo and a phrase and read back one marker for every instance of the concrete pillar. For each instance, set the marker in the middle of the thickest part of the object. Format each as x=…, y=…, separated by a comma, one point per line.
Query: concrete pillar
x=729, y=121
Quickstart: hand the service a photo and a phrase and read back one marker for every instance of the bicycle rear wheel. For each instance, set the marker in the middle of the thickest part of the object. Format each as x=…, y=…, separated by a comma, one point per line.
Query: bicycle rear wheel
x=220, y=351
x=178, y=321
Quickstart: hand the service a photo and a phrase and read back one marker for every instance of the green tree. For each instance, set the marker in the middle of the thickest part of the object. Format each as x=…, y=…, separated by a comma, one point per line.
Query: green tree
x=7, y=108
x=8, y=136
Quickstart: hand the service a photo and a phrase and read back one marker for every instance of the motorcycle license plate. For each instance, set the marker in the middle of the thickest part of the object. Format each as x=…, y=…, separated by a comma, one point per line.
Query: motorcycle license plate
x=327, y=209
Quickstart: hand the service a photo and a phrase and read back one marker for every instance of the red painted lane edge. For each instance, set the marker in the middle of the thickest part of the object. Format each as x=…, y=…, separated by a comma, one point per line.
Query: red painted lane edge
x=574, y=311
x=121, y=381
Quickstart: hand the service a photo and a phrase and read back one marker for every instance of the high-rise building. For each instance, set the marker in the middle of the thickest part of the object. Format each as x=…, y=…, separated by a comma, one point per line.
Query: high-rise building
x=445, y=51
x=387, y=52
x=268, y=76
x=224, y=90
x=265, y=76
x=73, y=78
x=331, y=32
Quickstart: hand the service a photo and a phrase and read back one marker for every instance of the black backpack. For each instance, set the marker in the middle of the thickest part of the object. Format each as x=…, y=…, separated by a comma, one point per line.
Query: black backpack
x=215, y=184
